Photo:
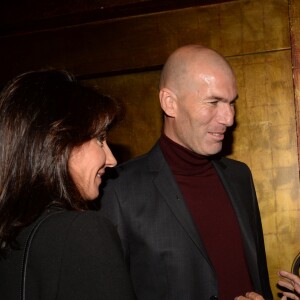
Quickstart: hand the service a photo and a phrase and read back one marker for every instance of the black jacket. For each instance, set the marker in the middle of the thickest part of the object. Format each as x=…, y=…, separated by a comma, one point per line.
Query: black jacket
x=163, y=250
x=74, y=255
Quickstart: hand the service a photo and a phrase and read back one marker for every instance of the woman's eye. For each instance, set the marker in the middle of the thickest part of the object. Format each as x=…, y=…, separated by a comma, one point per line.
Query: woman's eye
x=100, y=141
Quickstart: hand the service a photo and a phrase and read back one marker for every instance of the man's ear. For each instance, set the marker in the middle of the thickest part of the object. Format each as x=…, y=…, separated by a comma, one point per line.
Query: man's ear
x=168, y=102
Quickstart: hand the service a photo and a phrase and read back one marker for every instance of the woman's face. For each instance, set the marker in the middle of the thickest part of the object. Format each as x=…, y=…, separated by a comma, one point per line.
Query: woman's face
x=87, y=165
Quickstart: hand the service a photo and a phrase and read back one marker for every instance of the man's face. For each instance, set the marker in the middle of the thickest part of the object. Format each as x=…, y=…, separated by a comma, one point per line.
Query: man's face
x=204, y=111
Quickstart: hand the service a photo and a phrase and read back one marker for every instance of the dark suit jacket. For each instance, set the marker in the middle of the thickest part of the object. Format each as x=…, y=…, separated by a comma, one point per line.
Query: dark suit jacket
x=165, y=255
x=73, y=256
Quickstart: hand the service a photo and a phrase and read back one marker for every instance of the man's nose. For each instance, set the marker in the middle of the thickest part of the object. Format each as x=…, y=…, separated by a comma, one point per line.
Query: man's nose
x=226, y=114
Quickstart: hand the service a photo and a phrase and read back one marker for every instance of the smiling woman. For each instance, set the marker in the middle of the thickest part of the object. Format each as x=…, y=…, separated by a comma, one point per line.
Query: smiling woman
x=87, y=164
x=53, y=152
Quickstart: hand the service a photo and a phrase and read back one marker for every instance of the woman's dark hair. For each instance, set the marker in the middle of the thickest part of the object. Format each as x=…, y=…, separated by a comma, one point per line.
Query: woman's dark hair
x=43, y=116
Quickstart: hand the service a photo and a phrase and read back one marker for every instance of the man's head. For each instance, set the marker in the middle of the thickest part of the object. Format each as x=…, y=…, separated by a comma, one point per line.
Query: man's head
x=197, y=94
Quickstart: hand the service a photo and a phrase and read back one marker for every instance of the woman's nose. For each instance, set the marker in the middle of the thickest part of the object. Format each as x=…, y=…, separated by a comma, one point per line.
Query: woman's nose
x=110, y=159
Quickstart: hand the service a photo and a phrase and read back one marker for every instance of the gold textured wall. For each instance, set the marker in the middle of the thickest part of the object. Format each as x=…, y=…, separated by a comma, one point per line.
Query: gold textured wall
x=260, y=38
x=255, y=37
x=265, y=138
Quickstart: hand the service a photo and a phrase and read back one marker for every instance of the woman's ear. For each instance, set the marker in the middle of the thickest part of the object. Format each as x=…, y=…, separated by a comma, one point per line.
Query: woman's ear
x=168, y=102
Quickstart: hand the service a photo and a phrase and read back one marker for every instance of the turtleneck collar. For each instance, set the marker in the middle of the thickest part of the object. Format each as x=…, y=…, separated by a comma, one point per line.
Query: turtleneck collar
x=183, y=161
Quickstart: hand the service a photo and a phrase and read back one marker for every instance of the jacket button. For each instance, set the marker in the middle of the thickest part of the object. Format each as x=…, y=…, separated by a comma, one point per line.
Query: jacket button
x=213, y=298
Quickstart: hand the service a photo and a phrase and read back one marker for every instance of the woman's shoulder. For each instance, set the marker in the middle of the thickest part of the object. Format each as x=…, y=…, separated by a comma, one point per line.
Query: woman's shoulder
x=74, y=230
x=78, y=221
x=70, y=246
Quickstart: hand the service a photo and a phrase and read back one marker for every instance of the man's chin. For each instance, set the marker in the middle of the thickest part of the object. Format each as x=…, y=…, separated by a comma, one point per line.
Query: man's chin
x=214, y=151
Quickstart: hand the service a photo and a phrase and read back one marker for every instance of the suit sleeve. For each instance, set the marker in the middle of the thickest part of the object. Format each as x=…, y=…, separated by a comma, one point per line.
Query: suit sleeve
x=252, y=208
x=239, y=181
x=262, y=260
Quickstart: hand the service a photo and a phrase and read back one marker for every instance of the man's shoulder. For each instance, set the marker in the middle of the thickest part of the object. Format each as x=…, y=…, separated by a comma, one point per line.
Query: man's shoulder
x=137, y=171
x=234, y=170
x=226, y=162
x=136, y=161
x=146, y=161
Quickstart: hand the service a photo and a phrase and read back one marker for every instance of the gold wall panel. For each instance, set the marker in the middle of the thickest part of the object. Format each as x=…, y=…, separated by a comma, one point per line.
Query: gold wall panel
x=233, y=28
x=141, y=123
x=295, y=45
x=266, y=139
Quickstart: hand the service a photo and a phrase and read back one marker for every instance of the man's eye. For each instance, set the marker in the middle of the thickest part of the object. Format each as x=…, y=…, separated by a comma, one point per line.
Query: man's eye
x=214, y=102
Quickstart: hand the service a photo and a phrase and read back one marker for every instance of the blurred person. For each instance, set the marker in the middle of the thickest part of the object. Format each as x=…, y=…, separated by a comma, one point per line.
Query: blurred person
x=53, y=154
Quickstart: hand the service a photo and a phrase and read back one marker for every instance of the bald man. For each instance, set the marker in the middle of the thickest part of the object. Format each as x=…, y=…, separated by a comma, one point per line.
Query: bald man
x=188, y=219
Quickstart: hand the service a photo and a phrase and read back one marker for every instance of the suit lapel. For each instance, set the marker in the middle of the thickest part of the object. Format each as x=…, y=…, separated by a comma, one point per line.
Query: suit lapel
x=166, y=184
x=236, y=195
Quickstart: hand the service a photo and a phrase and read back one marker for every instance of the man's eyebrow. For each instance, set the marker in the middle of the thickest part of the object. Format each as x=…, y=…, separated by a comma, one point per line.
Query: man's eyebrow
x=223, y=99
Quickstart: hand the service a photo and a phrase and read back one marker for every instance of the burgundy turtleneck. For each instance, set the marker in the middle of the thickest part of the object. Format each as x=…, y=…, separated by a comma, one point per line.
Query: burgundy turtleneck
x=213, y=216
